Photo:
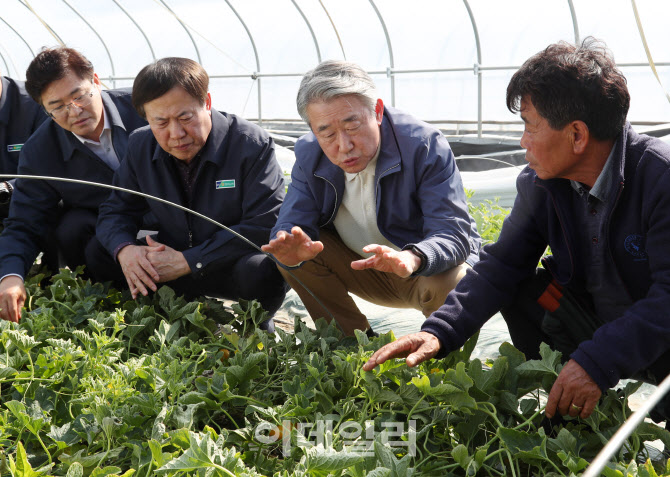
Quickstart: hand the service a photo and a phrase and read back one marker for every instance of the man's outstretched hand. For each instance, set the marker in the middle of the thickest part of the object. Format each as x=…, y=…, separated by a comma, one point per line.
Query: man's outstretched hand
x=417, y=347
x=385, y=259
x=293, y=248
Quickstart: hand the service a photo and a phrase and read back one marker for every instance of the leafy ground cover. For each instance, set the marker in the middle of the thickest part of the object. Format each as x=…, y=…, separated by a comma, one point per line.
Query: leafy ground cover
x=93, y=383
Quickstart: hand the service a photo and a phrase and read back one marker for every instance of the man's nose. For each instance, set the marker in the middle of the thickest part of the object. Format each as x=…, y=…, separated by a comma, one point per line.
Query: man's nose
x=175, y=129
x=524, y=140
x=73, y=109
x=345, y=143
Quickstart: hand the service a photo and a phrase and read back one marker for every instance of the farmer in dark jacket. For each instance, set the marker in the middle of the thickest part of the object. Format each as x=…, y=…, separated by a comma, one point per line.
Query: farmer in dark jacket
x=214, y=163
x=84, y=138
x=20, y=116
x=598, y=194
x=376, y=206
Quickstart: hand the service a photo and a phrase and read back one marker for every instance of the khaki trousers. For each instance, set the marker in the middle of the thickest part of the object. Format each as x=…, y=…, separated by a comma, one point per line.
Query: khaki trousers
x=330, y=277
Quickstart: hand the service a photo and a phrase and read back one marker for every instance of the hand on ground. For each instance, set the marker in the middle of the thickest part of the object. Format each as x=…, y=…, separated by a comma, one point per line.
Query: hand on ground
x=574, y=393
x=12, y=298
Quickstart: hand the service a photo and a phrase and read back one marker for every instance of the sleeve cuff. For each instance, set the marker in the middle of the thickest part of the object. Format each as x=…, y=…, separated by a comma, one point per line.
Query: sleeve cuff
x=11, y=275
x=118, y=249
x=601, y=378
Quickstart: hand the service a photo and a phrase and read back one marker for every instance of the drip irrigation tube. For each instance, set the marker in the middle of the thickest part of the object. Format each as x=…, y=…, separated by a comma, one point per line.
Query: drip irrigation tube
x=180, y=207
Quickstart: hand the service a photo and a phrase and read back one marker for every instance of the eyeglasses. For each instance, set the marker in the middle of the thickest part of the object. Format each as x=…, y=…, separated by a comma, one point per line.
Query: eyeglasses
x=80, y=101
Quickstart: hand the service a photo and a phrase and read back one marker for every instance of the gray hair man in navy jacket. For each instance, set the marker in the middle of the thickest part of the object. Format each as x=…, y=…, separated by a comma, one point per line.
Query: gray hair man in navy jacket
x=20, y=116
x=214, y=163
x=376, y=206
x=84, y=138
x=598, y=194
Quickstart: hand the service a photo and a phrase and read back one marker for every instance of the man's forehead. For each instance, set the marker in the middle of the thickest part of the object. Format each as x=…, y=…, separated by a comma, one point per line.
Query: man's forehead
x=323, y=114
x=67, y=85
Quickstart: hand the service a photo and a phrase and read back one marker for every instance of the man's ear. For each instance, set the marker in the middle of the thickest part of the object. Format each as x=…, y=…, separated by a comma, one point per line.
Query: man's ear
x=208, y=102
x=379, y=111
x=579, y=136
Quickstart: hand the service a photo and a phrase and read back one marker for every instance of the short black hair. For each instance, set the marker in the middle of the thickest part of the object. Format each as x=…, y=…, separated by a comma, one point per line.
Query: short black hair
x=567, y=83
x=159, y=77
x=52, y=64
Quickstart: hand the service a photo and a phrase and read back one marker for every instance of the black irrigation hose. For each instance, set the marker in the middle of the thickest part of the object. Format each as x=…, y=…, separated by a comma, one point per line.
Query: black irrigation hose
x=180, y=207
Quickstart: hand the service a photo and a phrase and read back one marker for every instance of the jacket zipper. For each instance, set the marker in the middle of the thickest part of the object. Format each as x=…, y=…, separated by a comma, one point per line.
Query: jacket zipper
x=332, y=216
x=565, y=236
x=380, y=178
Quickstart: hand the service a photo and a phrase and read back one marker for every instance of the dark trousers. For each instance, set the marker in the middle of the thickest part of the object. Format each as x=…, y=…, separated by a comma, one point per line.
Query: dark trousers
x=75, y=229
x=563, y=323
x=251, y=276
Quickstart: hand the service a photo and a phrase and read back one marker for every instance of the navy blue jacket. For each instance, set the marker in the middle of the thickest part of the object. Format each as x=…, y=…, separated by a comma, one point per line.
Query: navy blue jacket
x=20, y=116
x=239, y=183
x=53, y=151
x=419, y=193
x=542, y=216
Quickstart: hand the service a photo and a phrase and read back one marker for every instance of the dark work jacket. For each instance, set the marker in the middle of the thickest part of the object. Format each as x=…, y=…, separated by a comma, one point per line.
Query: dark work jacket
x=53, y=151
x=20, y=116
x=419, y=193
x=638, y=238
x=239, y=184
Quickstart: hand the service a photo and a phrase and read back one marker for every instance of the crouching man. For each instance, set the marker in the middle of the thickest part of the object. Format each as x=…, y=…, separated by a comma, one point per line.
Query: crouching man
x=214, y=163
x=598, y=194
x=376, y=205
x=84, y=138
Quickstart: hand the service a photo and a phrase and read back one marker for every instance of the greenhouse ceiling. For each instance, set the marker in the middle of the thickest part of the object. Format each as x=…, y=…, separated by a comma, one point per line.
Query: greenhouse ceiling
x=446, y=61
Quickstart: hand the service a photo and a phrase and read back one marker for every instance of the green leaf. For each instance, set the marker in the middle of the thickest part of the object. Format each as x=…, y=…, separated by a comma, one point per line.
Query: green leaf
x=203, y=453
x=610, y=472
x=23, y=467
x=21, y=340
x=454, y=390
x=461, y=456
x=530, y=448
x=75, y=470
x=398, y=467
x=106, y=471
x=7, y=372
x=166, y=332
x=322, y=461
x=549, y=364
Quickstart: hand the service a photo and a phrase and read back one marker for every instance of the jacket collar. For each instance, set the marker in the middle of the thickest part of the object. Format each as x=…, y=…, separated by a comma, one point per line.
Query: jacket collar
x=617, y=169
x=70, y=143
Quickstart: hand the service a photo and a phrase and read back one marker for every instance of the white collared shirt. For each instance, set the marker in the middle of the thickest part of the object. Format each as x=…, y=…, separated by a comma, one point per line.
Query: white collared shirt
x=104, y=148
x=356, y=219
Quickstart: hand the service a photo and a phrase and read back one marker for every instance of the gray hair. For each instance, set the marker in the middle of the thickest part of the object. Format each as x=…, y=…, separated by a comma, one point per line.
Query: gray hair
x=333, y=78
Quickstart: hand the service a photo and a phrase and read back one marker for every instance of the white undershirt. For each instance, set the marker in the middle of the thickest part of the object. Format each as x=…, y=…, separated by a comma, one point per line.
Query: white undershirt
x=356, y=219
x=103, y=148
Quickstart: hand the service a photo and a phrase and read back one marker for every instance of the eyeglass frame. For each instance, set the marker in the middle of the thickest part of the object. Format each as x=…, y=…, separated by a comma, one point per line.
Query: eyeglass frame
x=66, y=106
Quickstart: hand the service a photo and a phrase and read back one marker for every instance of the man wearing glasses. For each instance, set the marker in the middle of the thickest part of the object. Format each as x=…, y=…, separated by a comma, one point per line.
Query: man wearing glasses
x=85, y=138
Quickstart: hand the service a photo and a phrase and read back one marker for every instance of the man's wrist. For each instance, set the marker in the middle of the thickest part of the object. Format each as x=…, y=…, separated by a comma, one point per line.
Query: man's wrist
x=422, y=257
